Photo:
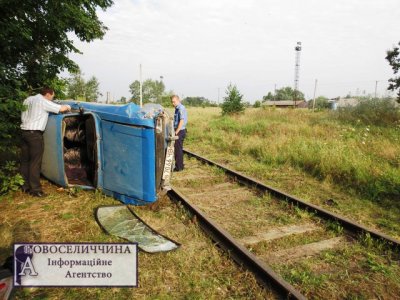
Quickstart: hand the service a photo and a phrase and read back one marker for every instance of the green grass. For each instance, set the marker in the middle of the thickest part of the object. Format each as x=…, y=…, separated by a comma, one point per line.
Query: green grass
x=302, y=152
x=197, y=270
x=363, y=158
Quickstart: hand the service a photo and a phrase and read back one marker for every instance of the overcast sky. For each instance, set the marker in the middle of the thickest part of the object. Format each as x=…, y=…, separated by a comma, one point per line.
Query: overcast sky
x=201, y=46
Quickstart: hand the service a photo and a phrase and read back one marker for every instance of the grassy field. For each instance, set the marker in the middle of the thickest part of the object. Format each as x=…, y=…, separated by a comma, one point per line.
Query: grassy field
x=311, y=155
x=349, y=169
x=197, y=270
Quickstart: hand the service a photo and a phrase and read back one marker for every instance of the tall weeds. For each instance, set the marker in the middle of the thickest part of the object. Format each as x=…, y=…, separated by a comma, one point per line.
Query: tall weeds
x=363, y=158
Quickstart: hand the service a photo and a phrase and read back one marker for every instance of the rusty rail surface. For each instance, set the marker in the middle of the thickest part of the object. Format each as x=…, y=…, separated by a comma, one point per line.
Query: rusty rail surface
x=264, y=274
x=319, y=211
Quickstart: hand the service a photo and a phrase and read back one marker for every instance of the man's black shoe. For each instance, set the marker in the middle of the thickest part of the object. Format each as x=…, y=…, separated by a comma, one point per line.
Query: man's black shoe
x=38, y=194
x=178, y=170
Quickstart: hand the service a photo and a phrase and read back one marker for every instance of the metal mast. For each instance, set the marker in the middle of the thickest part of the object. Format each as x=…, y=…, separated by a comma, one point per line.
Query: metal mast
x=296, y=72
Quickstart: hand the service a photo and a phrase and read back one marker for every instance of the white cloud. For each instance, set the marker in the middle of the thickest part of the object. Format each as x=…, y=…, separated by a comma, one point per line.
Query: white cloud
x=200, y=46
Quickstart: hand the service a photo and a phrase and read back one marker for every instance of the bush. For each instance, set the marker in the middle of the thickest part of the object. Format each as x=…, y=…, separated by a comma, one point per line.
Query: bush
x=233, y=101
x=320, y=103
x=257, y=104
x=10, y=180
x=371, y=112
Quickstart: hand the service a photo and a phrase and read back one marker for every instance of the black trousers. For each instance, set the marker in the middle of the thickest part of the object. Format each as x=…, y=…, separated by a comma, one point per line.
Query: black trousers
x=31, y=159
x=179, y=150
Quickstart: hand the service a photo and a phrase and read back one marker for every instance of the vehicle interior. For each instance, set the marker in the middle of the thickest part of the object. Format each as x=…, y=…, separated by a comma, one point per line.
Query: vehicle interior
x=80, y=151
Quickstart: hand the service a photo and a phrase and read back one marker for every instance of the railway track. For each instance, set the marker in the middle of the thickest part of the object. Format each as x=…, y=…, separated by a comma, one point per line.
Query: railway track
x=298, y=249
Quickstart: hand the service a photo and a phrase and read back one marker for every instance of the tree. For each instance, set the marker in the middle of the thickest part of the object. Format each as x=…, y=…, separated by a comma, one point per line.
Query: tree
x=196, y=101
x=152, y=91
x=257, y=104
x=79, y=89
x=269, y=96
x=76, y=86
x=35, y=41
x=233, y=101
x=285, y=93
x=321, y=102
x=393, y=57
x=92, y=89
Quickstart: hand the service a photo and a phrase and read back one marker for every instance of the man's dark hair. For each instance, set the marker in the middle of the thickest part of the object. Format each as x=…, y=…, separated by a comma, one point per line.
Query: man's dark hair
x=46, y=90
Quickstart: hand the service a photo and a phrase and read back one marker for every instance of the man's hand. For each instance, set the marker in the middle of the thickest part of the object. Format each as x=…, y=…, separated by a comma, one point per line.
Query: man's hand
x=65, y=108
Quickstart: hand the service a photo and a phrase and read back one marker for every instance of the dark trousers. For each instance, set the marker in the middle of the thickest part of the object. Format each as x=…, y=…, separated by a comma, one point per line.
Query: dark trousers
x=179, y=150
x=31, y=159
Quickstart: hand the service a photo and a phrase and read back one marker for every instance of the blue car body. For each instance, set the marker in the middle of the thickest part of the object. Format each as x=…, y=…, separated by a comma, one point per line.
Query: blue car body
x=119, y=149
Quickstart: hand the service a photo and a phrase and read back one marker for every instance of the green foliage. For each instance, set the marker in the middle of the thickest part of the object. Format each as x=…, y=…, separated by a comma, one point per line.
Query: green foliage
x=10, y=118
x=36, y=41
x=363, y=159
x=320, y=103
x=92, y=89
x=257, y=104
x=269, y=96
x=372, y=263
x=60, y=86
x=36, y=38
x=233, y=101
x=306, y=277
x=378, y=112
x=335, y=227
x=285, y=93
x=166, y=99
x=153, y=91
x=10, y=180
x=393, y=57
x=79, y=89
x=197, y=102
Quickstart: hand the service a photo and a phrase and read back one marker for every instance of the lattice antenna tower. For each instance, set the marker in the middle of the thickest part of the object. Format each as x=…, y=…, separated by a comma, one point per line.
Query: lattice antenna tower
x=296, y=71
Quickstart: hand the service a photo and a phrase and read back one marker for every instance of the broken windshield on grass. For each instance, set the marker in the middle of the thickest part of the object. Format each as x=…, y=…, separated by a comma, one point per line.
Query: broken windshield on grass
x=121, y=221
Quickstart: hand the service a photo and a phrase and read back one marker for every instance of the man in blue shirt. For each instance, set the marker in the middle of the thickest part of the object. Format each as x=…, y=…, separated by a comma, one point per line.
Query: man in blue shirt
x=180, y=121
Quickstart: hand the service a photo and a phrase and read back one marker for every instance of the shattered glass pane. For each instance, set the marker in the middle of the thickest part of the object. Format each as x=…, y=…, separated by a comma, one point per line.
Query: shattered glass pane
x=122, y=222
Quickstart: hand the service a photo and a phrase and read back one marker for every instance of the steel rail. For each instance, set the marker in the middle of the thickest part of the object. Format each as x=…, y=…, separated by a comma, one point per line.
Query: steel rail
x=264, y=274
x=319, y=211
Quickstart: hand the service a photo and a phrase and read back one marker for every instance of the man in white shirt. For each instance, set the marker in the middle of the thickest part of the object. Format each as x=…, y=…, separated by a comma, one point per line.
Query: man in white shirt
x=34, y=121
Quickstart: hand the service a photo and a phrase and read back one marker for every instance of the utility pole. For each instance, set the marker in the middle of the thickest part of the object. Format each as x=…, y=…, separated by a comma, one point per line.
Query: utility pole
x=315, y=90
x=296, y=71
x=141, y=85
x=274, y=94
x=376, y=87
x=218, y=97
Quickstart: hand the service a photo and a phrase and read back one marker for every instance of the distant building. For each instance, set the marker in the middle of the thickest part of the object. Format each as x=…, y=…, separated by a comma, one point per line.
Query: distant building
x=285, y=103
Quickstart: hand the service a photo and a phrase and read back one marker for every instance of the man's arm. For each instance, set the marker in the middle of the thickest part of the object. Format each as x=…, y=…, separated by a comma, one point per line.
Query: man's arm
x=180, y=124
x=65, y=108
x=55, y=108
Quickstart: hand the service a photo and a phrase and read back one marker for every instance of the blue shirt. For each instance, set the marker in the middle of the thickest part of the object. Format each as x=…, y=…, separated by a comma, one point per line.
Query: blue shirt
x=180, y=114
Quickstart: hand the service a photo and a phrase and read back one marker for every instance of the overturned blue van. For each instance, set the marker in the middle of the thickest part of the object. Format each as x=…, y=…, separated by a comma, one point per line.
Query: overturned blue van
x=119, y=149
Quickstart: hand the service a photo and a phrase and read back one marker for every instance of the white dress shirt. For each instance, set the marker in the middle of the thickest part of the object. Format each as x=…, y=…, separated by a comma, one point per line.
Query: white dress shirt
x=37, y=112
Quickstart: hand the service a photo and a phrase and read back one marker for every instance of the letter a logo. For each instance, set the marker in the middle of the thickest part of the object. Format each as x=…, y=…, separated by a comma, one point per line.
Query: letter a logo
x=23, y=265
x=27, y=266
